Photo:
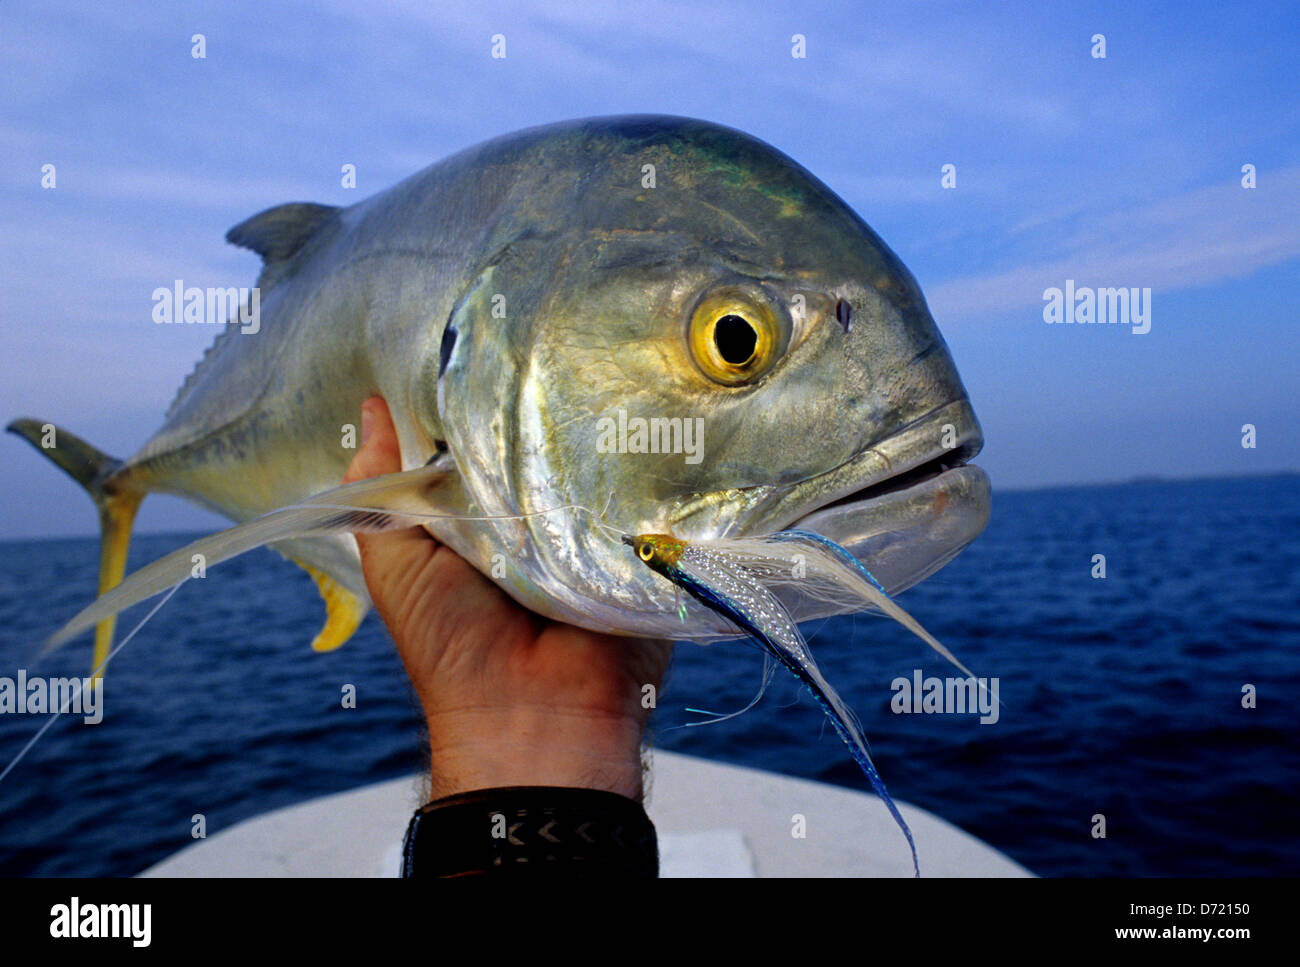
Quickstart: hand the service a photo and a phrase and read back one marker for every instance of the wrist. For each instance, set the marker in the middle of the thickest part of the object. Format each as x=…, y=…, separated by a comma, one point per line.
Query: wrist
x=490, y=748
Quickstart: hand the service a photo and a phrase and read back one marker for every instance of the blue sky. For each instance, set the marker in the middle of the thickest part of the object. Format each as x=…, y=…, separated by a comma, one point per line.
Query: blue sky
x=1117, y=172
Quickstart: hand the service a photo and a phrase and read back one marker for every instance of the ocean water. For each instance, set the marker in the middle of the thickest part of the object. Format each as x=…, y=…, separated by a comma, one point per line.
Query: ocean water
x=1122, y=697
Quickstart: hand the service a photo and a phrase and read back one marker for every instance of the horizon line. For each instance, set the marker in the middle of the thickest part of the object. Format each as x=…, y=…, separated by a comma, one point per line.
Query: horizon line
x=1138, y=480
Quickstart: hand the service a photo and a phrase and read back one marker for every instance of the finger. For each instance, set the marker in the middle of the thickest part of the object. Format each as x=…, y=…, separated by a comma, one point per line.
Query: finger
x=379, y=453
x=393, y=551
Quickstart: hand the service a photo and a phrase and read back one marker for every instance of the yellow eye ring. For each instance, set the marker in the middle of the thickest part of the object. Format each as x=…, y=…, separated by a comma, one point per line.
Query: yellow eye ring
x=645, y=551
x=734, y=338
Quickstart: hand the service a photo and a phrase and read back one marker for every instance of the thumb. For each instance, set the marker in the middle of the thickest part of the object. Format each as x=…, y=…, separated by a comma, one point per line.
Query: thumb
x=387, y=556
x=379, y=452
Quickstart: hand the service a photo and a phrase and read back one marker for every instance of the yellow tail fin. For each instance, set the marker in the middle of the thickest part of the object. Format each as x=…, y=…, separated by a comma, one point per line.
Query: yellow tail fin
x=116, y=515
x=117, y=504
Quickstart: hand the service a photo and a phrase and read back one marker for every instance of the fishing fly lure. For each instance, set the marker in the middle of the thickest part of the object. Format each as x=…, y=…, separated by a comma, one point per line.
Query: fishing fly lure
x=738, y=577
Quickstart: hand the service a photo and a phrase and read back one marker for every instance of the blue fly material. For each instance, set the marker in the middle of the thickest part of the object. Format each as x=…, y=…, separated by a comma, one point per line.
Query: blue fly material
x=830, y=545
x=756, y=619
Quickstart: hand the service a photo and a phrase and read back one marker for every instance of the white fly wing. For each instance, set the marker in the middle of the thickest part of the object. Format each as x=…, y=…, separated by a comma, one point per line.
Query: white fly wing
x=727, y=575
x=382, y=503
x=795, y=569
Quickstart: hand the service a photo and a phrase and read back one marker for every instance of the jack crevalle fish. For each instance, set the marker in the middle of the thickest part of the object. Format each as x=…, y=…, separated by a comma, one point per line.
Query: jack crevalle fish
x=636, y=325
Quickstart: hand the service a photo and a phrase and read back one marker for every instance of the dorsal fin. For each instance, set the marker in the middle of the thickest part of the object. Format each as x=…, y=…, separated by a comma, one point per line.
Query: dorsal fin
x=278, y=233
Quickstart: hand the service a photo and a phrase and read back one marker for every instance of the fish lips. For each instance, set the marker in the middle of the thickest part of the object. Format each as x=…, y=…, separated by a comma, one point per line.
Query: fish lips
x=905, y=507
x=906, y=533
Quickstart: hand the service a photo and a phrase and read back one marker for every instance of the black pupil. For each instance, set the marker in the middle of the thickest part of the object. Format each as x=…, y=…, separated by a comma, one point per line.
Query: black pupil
x=735, y=339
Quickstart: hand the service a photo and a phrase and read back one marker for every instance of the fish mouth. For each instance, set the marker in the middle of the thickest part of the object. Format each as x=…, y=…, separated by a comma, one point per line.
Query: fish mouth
x=935, y=467
x=907, y=505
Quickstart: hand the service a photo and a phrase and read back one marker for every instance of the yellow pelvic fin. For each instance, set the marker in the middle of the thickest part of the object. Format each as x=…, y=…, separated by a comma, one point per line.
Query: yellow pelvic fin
x=116, y=516
x=343, y=610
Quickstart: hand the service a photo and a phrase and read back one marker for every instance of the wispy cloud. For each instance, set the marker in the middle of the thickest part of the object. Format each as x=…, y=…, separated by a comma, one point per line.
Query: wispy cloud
x=1215, y=234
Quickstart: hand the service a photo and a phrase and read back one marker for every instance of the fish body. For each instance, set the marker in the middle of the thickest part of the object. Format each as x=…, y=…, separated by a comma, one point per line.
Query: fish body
x=521, y=305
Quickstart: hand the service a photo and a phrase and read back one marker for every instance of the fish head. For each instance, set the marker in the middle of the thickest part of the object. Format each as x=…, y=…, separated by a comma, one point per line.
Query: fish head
x=694, y=336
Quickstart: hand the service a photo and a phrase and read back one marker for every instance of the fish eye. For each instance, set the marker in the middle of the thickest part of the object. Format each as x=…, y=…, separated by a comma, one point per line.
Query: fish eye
x=645, y=551
x=734, y=338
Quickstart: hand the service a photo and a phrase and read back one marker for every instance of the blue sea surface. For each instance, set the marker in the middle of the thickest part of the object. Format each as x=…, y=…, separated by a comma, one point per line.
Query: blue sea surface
x=1122, y=697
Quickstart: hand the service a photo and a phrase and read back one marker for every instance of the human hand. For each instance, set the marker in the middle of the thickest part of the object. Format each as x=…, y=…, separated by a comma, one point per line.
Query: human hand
x=510, y=698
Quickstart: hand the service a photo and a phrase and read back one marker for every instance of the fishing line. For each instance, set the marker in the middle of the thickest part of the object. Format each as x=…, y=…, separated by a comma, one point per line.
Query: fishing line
x=102, y=665
x=421, y=515
x=329, y=513
x=373, y=525
x=597, y=518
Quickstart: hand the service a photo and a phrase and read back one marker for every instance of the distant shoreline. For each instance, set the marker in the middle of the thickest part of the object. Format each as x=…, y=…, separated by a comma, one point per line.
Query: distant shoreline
x=1146, y=479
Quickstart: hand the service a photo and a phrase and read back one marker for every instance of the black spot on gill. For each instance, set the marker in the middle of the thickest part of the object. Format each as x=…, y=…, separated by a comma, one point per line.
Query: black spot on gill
x=844, y=314
x=448, y=345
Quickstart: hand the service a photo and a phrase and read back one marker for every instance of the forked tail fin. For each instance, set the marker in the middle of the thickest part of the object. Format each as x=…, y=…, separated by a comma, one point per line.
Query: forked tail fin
x=117, y=506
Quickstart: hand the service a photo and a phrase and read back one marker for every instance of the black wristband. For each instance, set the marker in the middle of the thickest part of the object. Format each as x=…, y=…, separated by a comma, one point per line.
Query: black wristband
x=531, y=830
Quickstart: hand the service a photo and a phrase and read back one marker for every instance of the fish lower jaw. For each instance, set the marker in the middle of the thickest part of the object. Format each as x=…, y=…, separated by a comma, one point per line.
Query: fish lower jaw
x=935, y=467
x=905, y=532
x=906, y=505
x=945, y=438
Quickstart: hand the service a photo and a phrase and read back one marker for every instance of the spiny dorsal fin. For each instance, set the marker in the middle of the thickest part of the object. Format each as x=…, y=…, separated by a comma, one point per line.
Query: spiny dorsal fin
x=278, y=233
